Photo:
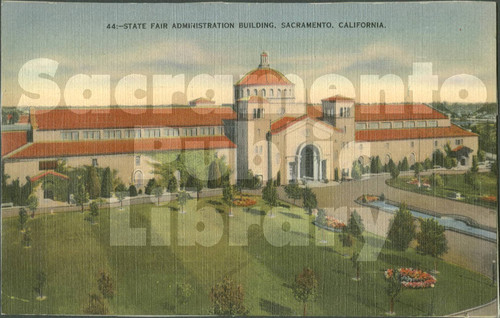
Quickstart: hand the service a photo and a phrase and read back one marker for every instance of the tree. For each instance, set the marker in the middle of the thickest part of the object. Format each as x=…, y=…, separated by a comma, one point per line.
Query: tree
x=270, y=194
x=23, y=218
x=96, y=305
x=197, y=183
x=428, y=164
x=306, y=287
x=93, y=183
x=105, y=284
x=182, y=199
x=431, y=239
x=393, y=288
x=172, y=185
x=81, y=196
x=393, y=169
x=418, y=169
x=355, y=225
x=356, y=170
x=27, y=237
x=120, y=195
x=40, y=281
x=321, y=221
x=107, y=183
x=404, y=165
x=278, y=179
x=293, y=191
x=94, y=211
x=336, y=174
x=494, y=167
x=475, y=167
x=183, y=292
x=132, y=191
x=436, y=180
x=481, y=155
x=402, y=228
x=356, y=264
x=228, y=298
x=309, y=199
x=214, y=175
x=32, y=204
x=150, y=186
x=158, y=192
x=228, y=196
x=438, y=158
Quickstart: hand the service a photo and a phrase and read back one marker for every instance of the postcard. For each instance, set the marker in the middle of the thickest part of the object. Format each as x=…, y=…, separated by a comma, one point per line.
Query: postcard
x=249, y=159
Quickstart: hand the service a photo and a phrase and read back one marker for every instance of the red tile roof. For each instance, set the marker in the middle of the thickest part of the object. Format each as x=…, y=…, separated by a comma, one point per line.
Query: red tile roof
x=396, y=112
x=95, y=118
x=285, y=122
x=263, y=76
x=11, y=140
x=23, y=119
x=314, y=111
x=337, y=98
x=109, y=147
x=46, y=173
x=413, y=133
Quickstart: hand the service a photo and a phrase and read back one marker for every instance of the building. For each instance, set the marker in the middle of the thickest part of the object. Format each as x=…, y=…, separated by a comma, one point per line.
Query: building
x=266, y=131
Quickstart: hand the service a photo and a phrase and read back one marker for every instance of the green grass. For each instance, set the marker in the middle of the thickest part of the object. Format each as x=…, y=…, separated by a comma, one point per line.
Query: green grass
x=455, y=183
x=71, y=251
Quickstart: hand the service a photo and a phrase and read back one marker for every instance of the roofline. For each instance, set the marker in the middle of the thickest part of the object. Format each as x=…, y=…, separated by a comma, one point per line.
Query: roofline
x=238, y=83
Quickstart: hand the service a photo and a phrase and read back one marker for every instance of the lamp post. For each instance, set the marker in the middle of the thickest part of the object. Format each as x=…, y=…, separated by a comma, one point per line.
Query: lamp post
x=493, y=272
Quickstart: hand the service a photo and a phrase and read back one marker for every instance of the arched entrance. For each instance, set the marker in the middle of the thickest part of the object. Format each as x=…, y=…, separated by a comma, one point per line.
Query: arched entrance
x=309, y=163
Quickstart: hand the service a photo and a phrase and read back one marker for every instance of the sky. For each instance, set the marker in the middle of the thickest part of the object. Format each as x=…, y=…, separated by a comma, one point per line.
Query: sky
x=456, y=39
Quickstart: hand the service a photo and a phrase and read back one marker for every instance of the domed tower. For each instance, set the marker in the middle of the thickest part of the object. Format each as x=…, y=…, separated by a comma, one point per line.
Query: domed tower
x=261, y=96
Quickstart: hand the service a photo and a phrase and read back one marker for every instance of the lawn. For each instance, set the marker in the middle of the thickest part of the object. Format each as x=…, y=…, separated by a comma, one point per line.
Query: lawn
x=71, y=251
x=456, y=183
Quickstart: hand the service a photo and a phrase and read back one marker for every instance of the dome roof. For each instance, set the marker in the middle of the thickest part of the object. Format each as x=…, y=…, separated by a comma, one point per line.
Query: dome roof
x=264, y=76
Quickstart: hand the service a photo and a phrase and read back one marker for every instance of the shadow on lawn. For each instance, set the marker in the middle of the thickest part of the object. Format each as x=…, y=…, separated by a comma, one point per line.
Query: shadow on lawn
x=213, y=202
x=291, y=215
x=254, y=211
x=274, y=308
x=398, y=260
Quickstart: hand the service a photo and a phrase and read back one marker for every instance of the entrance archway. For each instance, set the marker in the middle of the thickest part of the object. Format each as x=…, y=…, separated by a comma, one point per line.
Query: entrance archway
x=309, y=163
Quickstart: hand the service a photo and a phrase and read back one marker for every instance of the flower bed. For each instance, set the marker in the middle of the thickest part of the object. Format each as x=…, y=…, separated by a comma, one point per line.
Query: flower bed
x=333, y=223
x=413, y=278
x=244, y=202
x=490, y=198
x=368, y=198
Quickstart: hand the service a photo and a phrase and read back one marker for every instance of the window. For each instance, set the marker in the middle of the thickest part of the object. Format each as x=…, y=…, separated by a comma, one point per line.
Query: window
x=282, y=111
x=284, y=93
x=348, y=112
x=279, y=92
x=47, y=165
x=342, y=112
x=459, y=141
x=94, y=162
x=112, y=134
x=255, y=92
x=385, y=125
x=360, y=146
x=248, y=92
x=409, y=124
x=397, y=124
x=91, y=135
x=263, y=93
x=70, y=135
x=171, y=132
x=258, y=132
x=260, y=150
x=256, y=149
x=373, y=125
x=412, y=144
x=435, y=143
x=137, y=160
x=360, y=126
x=133, y=133
x=271, y=92
x=150, y=133
x=387, y=145
x=258, y=113
x=432, y=123
x=421, y=124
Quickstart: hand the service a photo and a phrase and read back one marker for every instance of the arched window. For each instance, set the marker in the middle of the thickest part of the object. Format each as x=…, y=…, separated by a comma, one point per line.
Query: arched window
x=387, y=158
x=411, y=159
x=138, y=177
x=241, y=93
x=255, y=92
x=263, y=93
x=271, y=93
x=284, y=93
x=341, y=111
x=279, y=93
x=248, y=92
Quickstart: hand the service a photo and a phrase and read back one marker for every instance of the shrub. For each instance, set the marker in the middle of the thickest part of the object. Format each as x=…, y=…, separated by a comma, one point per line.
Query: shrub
x=132, y=190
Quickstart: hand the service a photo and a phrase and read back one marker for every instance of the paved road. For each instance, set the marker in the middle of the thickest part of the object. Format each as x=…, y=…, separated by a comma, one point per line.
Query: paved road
x=464, y=250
